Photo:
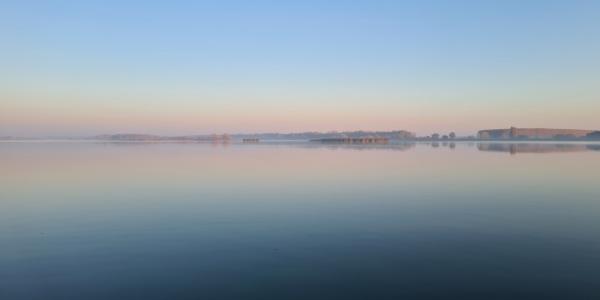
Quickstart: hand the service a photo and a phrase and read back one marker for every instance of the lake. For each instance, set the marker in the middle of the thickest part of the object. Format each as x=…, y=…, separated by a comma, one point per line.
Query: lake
x=98, y=220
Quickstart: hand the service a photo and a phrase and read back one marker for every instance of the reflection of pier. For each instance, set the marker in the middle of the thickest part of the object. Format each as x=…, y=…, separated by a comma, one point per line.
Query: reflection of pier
x=362, y=140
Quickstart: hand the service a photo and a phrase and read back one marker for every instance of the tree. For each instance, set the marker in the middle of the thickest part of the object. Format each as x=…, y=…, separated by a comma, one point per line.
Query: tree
x=435, y=136
x=595, y=135
x=452, y=135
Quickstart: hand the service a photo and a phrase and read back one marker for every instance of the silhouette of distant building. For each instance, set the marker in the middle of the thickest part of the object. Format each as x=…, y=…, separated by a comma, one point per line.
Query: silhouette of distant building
x=531, y=133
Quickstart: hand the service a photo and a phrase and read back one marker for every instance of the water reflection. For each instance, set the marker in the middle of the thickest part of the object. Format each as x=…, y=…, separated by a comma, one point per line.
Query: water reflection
x=593, y=147
x=514, y=148
x=297, y=221
x=403, y=146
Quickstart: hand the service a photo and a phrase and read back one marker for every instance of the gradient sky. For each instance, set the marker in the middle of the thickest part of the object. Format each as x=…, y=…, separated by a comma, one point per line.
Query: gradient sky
x=184, y=67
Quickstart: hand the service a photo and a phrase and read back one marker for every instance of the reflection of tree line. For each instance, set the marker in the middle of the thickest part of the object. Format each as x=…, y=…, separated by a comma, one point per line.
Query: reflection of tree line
x=450, y=145
x=395, y=146
x=515, y=148
x=512, y=148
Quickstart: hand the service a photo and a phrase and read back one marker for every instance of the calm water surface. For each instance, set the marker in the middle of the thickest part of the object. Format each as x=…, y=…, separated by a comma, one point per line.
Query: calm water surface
x=85, y=220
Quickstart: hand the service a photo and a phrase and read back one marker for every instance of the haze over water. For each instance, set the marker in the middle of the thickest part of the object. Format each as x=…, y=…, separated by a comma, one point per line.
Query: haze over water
x=299, y=221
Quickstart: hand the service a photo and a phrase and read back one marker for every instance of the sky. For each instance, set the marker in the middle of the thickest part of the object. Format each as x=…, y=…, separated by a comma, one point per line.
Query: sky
x=78, y=68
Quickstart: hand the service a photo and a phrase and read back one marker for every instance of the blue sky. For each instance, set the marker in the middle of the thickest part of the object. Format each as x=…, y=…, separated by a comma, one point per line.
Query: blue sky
x=72, y=68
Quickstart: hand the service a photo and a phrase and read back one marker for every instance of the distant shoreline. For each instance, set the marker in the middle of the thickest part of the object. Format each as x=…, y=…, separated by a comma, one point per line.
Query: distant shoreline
x=512, y=134
x=274, y=141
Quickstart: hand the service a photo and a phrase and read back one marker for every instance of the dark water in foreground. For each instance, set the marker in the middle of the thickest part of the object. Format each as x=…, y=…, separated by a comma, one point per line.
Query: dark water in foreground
x=201, y=221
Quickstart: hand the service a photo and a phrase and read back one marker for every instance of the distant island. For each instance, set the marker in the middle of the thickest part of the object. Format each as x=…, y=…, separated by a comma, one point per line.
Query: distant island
x=150, y=137
x=357, y=137
x=254, y=138
x=374, y=137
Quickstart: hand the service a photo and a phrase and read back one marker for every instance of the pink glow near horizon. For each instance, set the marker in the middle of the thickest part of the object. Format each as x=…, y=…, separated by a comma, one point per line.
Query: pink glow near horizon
x=193, y=119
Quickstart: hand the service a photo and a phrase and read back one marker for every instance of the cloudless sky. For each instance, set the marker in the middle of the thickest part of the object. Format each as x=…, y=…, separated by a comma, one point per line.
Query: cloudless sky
x=185, y=67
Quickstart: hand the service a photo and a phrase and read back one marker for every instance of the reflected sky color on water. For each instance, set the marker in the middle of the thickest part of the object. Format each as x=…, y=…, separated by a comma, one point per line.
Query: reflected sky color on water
x=86, y=220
